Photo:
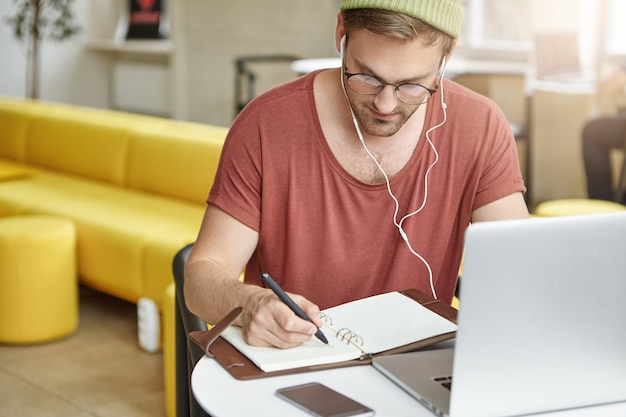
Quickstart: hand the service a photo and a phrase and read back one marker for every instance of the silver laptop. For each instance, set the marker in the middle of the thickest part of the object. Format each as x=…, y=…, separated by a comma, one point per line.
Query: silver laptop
x=542, y=322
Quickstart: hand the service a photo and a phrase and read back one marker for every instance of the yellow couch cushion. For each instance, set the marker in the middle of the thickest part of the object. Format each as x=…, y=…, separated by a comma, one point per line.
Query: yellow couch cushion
x=23, y=195
x=156, y=261
x=127, y=239
x=179, y=160
x=14, y=123
x=10, y=170
x=90, y=147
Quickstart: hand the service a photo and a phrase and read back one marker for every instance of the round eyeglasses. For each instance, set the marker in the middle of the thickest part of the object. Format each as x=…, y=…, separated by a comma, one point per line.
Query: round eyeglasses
x=408, y=93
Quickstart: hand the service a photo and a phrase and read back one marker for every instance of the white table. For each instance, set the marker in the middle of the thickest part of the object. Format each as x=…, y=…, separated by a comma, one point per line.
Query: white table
x=224, y=396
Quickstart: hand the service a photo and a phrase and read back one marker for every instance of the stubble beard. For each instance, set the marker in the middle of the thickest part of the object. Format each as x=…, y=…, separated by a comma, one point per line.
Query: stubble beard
x=377, y=127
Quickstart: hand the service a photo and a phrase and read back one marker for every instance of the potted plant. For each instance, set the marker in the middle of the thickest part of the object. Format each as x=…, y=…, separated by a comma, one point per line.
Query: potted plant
x=34, y=21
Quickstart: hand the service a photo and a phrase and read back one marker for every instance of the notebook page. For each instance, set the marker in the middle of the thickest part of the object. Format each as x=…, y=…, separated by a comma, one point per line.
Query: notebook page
x=387, y=321
x=313, y=352
x=384, y=322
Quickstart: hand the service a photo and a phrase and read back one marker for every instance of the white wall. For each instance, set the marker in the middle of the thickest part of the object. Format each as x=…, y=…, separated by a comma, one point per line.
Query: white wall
x=208, y=36
x=12, y=58
x=69, y=73
x=219, y=31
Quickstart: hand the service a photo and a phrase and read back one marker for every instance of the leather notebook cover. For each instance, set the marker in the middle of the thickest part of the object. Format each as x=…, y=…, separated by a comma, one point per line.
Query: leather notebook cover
x=240, y=367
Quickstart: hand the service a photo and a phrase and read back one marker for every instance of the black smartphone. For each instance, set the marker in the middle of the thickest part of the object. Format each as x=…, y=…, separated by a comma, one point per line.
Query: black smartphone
x=321, y=401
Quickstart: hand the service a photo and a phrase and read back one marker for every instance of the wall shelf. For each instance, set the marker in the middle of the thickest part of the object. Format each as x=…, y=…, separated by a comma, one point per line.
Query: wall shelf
x=163, y=47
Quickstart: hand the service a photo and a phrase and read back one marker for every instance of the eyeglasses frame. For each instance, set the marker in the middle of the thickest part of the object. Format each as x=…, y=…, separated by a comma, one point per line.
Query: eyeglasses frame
x=383, y=84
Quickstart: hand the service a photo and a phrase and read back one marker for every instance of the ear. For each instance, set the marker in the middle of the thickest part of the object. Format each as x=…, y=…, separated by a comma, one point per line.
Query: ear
x=452, y=48
x=446, y=58
x=340, y=32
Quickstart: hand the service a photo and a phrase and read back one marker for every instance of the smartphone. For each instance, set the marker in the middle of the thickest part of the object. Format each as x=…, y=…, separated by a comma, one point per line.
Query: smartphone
x=321, y=401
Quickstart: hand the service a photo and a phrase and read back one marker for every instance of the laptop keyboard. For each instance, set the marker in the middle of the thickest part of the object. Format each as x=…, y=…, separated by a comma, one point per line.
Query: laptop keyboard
x=444, y=381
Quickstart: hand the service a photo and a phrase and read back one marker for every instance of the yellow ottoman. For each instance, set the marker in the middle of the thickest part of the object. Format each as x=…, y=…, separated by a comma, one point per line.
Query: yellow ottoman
x=574, y=206
x=38, y=283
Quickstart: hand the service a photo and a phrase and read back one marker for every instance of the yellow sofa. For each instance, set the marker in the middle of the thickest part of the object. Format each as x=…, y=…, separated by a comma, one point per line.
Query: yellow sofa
x=134, y=186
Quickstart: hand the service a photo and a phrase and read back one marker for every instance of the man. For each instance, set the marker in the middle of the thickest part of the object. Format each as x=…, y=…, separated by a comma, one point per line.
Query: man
x=338, y=207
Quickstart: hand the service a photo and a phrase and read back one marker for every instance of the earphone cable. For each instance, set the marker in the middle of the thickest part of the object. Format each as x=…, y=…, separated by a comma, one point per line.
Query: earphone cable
x=397, y=223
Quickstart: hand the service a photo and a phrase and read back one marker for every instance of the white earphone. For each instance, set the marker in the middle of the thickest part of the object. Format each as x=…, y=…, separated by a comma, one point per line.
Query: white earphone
x=342, y=46
x=442, y=73
x=399, y=223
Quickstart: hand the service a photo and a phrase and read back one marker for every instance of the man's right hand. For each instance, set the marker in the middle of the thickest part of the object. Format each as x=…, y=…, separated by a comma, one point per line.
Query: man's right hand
x=267, y=321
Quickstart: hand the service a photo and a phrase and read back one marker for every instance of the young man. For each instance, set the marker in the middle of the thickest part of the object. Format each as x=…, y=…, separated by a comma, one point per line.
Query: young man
x=351, y=182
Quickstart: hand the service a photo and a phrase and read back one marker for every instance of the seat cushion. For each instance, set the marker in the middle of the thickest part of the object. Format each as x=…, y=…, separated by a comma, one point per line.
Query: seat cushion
x=126, y=238
x=576, y=206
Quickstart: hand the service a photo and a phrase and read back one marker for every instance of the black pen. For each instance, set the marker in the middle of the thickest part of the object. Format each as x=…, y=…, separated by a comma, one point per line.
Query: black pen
x=269, y=281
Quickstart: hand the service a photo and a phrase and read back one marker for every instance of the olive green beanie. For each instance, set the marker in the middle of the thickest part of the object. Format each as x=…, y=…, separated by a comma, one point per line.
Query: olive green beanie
x=445, y=15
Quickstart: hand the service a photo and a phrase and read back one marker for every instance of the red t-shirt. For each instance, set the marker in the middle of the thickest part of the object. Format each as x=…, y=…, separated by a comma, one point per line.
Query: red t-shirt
x=330, y=237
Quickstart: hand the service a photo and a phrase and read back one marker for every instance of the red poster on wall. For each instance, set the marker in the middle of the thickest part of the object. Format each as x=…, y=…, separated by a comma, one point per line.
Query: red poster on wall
x=145, y=20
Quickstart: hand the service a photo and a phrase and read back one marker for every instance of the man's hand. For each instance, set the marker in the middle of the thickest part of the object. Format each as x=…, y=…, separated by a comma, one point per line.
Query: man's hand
x=267, y=321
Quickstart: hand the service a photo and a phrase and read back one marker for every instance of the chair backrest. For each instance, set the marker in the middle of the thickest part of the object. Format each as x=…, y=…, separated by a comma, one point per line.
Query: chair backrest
x=620, y=194
x=187, y=354
x=248, y=68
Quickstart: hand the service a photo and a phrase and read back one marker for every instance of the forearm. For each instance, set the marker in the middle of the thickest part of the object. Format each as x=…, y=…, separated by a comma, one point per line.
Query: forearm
x=212, y=290
x=212, y=286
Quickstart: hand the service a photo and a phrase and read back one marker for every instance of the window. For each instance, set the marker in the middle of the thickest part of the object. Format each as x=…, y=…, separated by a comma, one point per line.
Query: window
x=505, y=28
x=615, y=34
x=497, y=25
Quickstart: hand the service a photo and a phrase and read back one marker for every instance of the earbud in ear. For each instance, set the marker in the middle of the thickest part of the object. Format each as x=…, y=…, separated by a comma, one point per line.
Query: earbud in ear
x=342, y=45
x=443, y=67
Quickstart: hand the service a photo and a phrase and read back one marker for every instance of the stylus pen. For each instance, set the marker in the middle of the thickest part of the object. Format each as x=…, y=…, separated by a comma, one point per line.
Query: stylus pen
x=269, y=281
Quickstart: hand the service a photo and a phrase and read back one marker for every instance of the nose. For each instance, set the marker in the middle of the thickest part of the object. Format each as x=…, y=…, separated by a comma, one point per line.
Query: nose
x=386, y=100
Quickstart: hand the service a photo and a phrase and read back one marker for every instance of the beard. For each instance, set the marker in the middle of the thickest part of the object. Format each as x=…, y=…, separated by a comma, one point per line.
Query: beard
x=374, y=126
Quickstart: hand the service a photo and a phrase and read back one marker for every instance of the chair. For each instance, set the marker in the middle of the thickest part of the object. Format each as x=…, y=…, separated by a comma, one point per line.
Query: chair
x=187, y=354
x=620, y=192
x=247, y=77
x=574, y=206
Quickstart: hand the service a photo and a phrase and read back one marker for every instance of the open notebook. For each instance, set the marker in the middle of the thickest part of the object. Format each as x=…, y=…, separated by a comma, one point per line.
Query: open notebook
x=357, y=331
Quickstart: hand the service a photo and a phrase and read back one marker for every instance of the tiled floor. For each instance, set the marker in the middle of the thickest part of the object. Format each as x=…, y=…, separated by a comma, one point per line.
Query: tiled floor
x=99, y=371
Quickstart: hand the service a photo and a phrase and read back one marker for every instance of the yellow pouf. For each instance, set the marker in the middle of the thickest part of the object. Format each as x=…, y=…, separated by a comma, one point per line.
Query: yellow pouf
x=576, y=206
x=38, y=283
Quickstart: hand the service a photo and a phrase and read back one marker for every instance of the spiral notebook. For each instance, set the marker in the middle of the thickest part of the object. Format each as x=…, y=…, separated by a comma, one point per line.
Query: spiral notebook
x=357, y=331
